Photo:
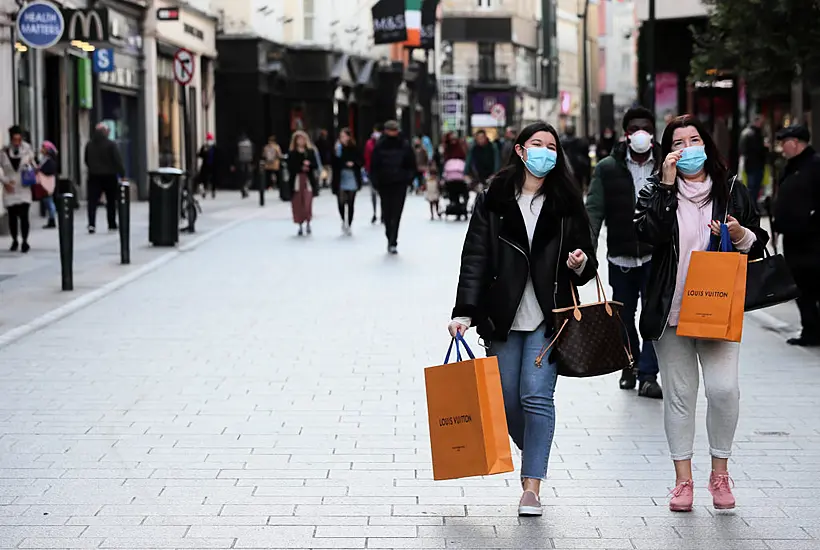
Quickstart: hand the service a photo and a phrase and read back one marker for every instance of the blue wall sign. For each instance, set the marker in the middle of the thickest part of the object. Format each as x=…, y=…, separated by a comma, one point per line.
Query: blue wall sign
x=40, y=24
x=104, y=60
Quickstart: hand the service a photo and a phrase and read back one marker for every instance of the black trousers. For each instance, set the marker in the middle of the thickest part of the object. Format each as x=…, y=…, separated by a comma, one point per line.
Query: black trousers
x=347, y=203
x=18, y=217
x=809, y=301
x=393, y=198
x=97, y=185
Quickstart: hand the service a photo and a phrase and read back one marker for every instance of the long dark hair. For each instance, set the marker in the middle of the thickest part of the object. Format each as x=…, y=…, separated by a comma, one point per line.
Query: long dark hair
x=559, y=188
x=715, y=166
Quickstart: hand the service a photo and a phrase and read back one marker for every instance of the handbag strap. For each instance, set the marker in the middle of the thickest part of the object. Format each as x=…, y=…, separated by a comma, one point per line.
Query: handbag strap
x=547, y=347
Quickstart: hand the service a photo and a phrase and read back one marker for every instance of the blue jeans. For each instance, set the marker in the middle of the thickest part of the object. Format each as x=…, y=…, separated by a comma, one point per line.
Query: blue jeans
x=51, y=209
x=628, y=285
x=754, y=181
x=528, y=398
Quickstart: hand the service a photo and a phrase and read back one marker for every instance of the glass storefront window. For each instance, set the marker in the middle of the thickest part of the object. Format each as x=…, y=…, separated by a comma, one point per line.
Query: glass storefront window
x=169, y=120
x=25, y=94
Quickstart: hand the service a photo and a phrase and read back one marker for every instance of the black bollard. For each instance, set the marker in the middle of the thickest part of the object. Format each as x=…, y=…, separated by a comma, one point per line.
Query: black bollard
x=65, y=219
x=125, y=222
x=262, y=185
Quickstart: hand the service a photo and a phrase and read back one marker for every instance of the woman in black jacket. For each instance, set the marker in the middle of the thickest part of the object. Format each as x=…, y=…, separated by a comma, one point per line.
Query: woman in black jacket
x=528, y=242
x=679, y=213
x=302, y=167
x=347, y=176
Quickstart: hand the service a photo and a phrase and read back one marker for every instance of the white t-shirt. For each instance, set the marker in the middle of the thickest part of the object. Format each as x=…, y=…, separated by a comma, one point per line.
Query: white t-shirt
x=529, y=315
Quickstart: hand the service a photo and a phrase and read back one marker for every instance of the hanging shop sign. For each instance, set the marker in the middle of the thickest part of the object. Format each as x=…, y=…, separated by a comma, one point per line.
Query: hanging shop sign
x=40, y=24
x=86, y=25
x=389, y=25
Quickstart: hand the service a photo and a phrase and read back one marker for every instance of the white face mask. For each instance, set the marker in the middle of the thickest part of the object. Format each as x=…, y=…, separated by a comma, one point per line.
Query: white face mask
x=640, y=141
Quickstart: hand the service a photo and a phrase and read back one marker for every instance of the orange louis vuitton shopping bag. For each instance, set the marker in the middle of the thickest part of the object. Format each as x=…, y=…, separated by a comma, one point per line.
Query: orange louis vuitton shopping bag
x=714, y=294
x=468, y=425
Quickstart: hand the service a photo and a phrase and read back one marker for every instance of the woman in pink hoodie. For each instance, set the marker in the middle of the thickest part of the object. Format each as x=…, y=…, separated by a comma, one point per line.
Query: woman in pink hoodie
x=678, y=213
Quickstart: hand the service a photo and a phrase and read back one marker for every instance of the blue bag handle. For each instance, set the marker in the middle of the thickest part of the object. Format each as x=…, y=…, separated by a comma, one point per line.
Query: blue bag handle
x=458, y=338
x=724, y=244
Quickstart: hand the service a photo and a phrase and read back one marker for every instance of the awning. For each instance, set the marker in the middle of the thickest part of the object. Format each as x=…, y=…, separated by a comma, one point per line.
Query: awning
x=366, y=73
x=341, y=71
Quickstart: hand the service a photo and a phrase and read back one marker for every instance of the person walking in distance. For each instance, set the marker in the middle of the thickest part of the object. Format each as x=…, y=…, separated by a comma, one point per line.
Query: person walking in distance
x=16, y=158
x=324, y=148
x=527, y=243
x=271, y=162
x=245, y=155
x=483, y=160
x=368, y=158
x=797, y=218
x=47, y=181
x=613, y=193
x=347, y=177
x=105, y=167
x=302, y=167
x=755, y=154
x=675, y=214
x=393, y=169
x=209, y=165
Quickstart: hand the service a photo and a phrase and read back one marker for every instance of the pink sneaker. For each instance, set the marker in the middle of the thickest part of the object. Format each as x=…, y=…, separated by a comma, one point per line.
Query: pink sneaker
x=720, y=485
x=530, y=505
x=682, y=497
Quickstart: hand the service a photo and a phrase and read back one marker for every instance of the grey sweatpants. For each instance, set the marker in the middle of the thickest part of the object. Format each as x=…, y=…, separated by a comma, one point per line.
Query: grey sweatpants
x=678, y=360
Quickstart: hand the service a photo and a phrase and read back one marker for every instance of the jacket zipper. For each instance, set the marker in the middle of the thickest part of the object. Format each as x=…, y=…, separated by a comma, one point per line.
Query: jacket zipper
x=526, y=257
x=669, y=313
x=557, y=266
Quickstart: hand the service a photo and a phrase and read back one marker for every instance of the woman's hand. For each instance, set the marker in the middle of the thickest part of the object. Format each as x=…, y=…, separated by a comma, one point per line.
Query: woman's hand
x=576, y=259
x=349, y=164
x=456, y=328
x=9, y=187
x=670, y=167
x=736, y=231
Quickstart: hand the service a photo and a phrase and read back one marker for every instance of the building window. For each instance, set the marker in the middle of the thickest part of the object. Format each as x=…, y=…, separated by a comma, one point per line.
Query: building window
x=485, y=3
x=486, y=61
x=308, y=18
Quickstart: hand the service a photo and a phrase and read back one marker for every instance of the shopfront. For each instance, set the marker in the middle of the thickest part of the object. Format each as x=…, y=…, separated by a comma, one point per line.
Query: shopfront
x=176, y=145
x=117, y=103
x=490, y=111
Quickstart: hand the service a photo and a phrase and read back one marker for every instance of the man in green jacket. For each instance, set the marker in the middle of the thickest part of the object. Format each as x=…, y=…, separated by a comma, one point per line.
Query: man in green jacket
x=613, y=192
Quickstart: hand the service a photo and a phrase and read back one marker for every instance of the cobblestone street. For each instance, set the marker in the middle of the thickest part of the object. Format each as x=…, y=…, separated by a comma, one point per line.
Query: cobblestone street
x=266, y=391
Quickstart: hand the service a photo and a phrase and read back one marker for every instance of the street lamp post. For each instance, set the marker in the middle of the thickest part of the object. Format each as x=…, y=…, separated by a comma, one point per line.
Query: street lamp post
x=586, y=94
x=649, y=44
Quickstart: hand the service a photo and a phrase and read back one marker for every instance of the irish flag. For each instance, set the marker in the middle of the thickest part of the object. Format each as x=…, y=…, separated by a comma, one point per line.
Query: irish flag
x=412, y=19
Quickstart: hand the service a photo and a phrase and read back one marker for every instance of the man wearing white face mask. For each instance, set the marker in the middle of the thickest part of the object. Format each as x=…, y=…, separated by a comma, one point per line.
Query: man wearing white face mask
x=613, y=193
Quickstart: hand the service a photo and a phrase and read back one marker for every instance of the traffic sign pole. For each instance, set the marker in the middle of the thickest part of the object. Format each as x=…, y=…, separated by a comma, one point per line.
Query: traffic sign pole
x=184, y=74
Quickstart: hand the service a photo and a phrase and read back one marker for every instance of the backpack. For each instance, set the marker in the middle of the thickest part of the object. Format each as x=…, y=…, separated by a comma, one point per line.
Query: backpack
x=454, y=170
x=245, y=151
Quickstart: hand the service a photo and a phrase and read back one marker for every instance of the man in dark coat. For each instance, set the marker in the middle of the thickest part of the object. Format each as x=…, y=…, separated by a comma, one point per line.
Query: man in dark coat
x=105, y=167
x=392, y=170
x=797, y=218
x=613, y=193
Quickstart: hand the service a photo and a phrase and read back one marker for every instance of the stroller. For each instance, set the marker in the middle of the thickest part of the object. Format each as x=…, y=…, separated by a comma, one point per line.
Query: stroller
x=458, y=195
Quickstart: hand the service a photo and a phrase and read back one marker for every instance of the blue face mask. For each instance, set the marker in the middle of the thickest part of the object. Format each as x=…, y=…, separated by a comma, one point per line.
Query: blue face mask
x=540, y=161
x=692, y=160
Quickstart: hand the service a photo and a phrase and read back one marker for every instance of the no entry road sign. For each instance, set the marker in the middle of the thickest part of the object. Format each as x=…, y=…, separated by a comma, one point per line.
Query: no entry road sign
x=183, y=67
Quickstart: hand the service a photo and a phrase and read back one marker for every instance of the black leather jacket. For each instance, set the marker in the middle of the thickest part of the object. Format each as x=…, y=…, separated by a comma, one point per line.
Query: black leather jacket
x=656, y=221
x=497, y=259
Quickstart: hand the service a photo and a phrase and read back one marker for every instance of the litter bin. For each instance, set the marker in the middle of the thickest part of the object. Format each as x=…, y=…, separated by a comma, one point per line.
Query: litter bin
x=163, y=206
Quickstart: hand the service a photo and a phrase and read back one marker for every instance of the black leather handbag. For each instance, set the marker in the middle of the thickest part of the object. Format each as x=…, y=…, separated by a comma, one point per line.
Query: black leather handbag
x=769, y=282
x=589, y=338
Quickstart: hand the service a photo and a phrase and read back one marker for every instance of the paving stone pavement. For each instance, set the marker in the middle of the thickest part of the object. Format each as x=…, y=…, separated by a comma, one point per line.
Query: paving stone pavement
x=30, y=283
x=266, y=391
